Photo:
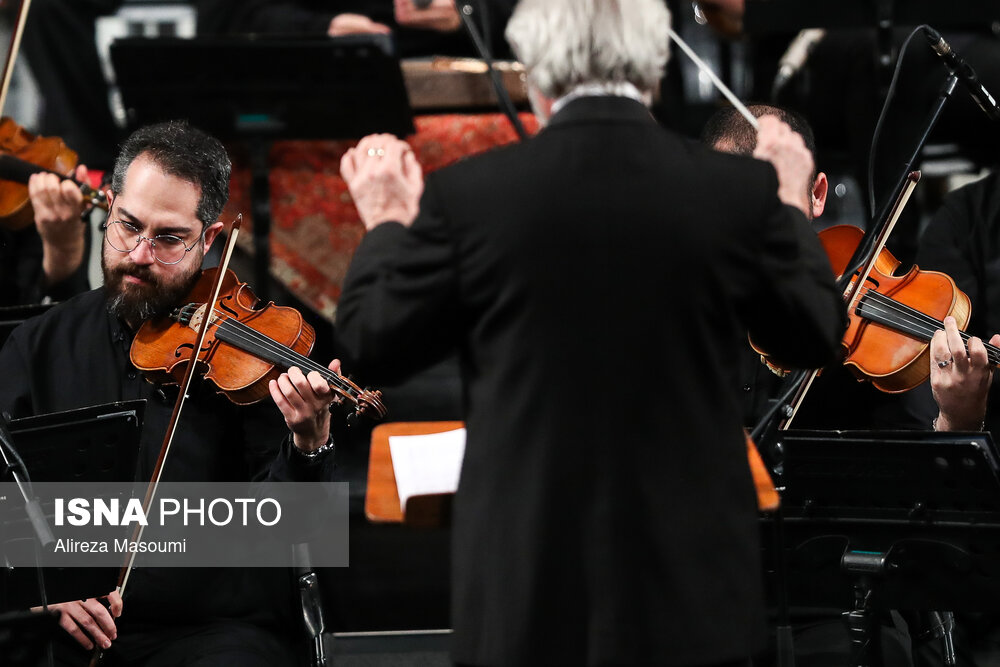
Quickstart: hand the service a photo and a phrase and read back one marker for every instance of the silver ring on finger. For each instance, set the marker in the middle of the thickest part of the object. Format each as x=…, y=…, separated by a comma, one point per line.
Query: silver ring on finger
x=945, y=363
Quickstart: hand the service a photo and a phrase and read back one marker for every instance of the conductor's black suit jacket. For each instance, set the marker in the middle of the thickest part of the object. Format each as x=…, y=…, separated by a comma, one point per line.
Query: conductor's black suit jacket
x=598, y=281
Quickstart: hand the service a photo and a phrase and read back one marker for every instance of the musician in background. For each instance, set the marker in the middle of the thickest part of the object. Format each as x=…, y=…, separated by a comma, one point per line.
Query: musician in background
x=170, y=184
x=47, y=260
x=419, y=29
x=959, y=238
x=60, y=45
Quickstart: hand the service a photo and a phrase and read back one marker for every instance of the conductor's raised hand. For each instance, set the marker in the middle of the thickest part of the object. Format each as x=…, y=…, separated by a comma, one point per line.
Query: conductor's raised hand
x=778, y=144
x=385, y=180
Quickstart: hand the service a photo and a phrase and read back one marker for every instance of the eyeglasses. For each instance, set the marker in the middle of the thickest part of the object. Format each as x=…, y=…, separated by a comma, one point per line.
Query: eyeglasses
x=166, y=248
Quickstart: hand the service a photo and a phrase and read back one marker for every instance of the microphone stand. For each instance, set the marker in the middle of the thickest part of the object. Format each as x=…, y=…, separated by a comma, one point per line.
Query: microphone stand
x=33, y=509
x=864, y=250
x=31, y=505
x=765, y=434
x=465, y=11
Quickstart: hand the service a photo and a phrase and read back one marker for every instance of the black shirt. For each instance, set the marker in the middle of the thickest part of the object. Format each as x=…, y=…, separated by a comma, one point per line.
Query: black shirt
x=22, y=279
x=76, y=355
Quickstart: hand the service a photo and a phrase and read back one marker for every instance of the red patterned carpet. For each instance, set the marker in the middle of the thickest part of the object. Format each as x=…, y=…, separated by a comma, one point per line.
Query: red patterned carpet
x=315, y=227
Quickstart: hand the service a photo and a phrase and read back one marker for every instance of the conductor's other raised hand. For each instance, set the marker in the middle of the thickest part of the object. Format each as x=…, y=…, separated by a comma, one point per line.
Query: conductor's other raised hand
x=385, y=180
x=784, y=148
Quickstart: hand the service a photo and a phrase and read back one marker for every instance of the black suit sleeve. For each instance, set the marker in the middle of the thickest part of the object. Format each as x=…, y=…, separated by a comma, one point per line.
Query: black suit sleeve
x=805, y=317
x=400, y=280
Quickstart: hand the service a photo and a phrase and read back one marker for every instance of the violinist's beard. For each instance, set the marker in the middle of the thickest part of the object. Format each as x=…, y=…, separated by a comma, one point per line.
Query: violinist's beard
x=137, y=303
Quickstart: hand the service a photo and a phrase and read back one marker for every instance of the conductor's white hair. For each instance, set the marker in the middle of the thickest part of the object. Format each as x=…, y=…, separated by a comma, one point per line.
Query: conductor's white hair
x=565, y=43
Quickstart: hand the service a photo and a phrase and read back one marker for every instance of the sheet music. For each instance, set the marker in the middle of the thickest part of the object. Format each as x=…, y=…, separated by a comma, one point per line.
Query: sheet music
x=425, y=464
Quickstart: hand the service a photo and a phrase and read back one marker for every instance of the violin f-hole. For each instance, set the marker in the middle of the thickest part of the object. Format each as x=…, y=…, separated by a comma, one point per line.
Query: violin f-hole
x=184, y=349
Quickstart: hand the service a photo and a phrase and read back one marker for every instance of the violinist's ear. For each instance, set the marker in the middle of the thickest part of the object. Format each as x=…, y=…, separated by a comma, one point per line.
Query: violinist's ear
x=211, y=232
x=821, y=187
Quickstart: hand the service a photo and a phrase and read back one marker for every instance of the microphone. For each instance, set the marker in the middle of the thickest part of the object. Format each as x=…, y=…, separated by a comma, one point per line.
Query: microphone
x=964, y=72
x=795, y=57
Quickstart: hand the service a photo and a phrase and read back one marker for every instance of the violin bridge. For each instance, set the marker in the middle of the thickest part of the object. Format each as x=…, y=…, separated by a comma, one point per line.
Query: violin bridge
x=191, y=315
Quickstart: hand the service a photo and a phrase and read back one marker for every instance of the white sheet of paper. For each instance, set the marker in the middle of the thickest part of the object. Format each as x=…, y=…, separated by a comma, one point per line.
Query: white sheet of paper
x=425, y=464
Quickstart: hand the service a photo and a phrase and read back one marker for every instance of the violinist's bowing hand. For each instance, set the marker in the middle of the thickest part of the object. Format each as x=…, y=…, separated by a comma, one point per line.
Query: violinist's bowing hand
x=960, y=380
x=385, y=180
x=89, y=621
x=786, y=150
x=58, y=205
x=439, y=15
x=304, y=401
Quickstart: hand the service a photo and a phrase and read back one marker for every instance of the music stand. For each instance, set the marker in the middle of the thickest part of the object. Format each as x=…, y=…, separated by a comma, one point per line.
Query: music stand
x=891, y=520
x=259, y=90
x=382, y=497
x=93, y=444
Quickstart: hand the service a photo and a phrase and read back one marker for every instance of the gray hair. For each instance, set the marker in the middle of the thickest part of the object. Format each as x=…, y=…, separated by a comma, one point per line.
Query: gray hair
x=565, y=43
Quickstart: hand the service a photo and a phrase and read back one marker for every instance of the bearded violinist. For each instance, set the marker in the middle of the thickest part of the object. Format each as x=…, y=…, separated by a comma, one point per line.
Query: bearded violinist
x=169, y=187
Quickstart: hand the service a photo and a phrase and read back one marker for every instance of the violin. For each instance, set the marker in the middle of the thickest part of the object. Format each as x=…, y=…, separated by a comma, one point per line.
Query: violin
x=247, y=345
x=23, y=153
x=893, y=318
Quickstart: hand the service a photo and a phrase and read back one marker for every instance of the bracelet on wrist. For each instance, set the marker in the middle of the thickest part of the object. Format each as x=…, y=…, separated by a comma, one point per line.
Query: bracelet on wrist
x=314, y=454
x=934, y=422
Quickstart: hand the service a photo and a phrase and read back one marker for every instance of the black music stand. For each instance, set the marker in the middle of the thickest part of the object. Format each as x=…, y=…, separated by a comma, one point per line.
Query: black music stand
x=259, y=90
x=93, y=444
x=890, y=520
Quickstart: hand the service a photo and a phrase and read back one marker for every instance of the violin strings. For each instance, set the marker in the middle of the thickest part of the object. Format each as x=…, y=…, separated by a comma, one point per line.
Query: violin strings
x=244, y=335
x=920, y=325
x=253, y=341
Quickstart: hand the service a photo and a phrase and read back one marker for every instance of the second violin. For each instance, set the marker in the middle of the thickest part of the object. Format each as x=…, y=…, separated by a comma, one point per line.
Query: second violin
x=893, y=318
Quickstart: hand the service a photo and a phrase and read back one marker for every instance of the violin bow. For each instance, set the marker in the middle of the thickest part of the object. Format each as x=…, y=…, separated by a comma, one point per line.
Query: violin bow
x=168, y=437
x=728, y=94
x=856, y=289
x=15, y=46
